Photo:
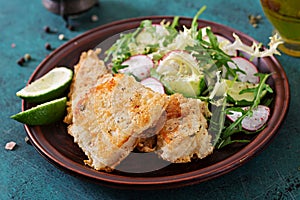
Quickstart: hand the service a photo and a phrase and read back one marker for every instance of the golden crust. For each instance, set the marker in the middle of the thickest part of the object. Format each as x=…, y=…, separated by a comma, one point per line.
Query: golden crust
x=86, y=74
x=109, y=120
x=110, y=115
x=184, y=134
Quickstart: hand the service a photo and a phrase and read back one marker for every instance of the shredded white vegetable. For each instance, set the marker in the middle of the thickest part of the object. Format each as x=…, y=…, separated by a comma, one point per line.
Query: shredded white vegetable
x=255, y=50
x=183, y=39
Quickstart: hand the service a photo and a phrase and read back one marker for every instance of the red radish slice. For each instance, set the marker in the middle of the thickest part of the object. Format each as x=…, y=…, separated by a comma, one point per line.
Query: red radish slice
x=256, y=121
x=153, y=84
x=138, y=65
x=223, y=43
x=248, y=67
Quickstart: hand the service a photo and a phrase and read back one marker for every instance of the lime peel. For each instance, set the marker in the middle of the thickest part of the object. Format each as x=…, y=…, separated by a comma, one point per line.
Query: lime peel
x=43, y=114
x=50, y=86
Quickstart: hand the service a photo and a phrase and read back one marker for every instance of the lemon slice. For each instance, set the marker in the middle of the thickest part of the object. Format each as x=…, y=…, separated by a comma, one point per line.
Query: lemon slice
x=48, y=87
x=43, y=114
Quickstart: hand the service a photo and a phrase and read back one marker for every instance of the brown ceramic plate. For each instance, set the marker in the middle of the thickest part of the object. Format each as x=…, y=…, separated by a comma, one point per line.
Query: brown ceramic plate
x=57, y=146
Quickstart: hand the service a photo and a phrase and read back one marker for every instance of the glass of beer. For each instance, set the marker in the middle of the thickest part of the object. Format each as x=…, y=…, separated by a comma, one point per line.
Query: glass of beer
x=284, y=15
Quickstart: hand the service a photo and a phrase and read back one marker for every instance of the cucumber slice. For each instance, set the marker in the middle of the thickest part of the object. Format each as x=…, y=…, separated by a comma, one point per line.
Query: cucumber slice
x=236, y=92
x=187, y=86
x=179, y=72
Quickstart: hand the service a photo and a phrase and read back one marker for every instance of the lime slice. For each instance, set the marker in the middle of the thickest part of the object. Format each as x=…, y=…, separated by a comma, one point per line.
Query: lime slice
x=48, y=87
x=234, y=89
x=42, y=114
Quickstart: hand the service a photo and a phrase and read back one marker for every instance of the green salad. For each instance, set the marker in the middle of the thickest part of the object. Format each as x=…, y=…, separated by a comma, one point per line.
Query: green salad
x=198, y=63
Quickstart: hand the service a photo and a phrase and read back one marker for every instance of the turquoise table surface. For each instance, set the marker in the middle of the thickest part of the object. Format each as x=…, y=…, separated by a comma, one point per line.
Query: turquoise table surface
x=24, y=174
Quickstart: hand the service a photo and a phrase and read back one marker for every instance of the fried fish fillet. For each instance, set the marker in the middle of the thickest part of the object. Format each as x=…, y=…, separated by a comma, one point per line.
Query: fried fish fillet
x=184, y=134
x=86, y=74
x=109, y=120
x=109, y=116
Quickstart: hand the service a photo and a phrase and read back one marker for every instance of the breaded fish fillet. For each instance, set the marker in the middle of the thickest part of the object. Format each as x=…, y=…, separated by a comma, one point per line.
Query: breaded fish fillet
x=109, y=120
x=86, y=74
x=184, y=134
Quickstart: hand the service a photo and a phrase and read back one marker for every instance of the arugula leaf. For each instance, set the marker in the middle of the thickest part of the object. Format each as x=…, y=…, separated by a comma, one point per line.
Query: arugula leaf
x=210, y=49
x=236, y=126
x=146, y=23
x=194, y=25
x=120, y=49
x=175, y=22
x=228, y=141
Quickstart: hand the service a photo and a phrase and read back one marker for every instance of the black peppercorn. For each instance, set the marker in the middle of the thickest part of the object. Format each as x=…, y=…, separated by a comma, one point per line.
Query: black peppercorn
x=21, y=61
x=48, y=46
x=71, y=28
x=47, y=29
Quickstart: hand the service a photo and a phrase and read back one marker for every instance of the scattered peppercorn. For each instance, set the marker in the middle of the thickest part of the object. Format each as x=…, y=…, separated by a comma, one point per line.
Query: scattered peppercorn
x=21, y=61
x=27, y=140
x=47, y=29
x=70, y=27
x=94, y=18
x=48, y=46
x=254, y=20
x=27, y=57
x=61, y=36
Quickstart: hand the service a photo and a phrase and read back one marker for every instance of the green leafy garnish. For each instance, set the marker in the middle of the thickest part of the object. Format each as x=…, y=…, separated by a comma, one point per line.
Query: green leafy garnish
x=236, y=126
x=156, y=41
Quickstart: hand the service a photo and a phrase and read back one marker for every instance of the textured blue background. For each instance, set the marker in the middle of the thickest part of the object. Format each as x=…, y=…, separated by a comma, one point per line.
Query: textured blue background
x=24, y=174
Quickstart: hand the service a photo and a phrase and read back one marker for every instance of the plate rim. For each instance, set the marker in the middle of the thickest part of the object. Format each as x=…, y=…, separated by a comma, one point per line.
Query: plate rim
x=232, y=162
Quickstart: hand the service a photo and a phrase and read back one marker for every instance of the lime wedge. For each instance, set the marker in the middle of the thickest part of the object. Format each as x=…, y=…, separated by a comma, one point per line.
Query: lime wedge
x=48, y=87
x=42, y=114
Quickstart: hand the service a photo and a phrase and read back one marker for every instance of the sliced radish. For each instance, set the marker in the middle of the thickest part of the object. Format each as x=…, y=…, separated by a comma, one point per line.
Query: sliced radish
x=223, y=43
x=153, y=84
x=248, y=67
x=256, y=121
x=138, y=65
